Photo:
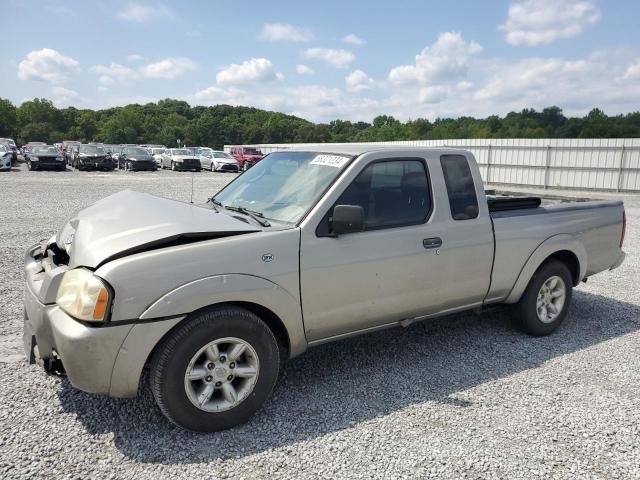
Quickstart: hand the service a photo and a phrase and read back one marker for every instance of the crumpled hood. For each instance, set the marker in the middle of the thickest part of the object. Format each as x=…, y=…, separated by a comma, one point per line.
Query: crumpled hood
x=130, y=222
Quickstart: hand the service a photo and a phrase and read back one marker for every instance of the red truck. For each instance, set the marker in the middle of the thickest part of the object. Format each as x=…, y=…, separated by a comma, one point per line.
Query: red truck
x=247, y=157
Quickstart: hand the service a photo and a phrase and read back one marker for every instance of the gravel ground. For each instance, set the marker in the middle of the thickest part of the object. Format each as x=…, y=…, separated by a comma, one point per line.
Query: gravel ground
x=457, y=397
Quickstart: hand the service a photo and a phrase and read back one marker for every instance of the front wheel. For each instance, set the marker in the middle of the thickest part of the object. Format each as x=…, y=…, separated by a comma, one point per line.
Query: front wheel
x=215, y=370
x=546, y=300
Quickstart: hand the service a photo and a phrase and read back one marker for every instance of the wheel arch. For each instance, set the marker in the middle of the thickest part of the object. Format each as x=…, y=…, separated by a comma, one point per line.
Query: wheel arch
x=127, y=371
x=274, y=305
x=563, y=247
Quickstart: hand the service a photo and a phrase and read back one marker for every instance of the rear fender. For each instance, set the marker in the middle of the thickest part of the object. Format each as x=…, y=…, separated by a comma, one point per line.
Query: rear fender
x=547, y=248
x=234, y=288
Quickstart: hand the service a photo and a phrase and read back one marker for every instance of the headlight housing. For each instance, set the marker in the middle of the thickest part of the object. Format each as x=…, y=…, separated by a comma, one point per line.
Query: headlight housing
x=83, y=295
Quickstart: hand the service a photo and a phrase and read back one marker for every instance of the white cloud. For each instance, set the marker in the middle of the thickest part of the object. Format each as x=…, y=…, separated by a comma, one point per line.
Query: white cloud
x=576, y=85
x=353, y=39
x=139, y=13
x=445, y=60
x=64, y=93
x=284, y=32
x=168, y=68
x=63, y=96
x=114, y=72
x=633, y=72
x=304, y=70
x=47, y=65
x=106, y=80
x=535, y=22
x=338, y=58
x=358, y=81
x=254, y=70
x=215, y=94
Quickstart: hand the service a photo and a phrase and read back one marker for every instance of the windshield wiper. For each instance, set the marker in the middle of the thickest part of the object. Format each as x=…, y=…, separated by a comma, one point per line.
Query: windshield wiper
x=257, y=216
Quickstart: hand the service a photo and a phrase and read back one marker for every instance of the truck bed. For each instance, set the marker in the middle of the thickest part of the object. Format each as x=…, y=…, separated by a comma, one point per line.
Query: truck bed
x=523, y=223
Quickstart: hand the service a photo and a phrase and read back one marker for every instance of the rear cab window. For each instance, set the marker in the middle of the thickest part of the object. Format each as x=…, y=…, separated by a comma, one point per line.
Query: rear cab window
x=460, y=187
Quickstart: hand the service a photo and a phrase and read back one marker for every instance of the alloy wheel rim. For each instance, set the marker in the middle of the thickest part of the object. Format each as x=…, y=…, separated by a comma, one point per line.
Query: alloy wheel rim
x=551, y=298
x=222, y=374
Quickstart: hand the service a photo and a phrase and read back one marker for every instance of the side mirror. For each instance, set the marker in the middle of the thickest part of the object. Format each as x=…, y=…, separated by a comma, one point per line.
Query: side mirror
x=347, y=219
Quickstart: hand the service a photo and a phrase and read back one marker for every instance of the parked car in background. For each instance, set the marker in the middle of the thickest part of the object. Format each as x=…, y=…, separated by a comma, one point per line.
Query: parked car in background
x=218, y=161
x=136, y=158
x=247, y=157
x=9, y=142
x=180, y=159
x=156, y=153
x=42, y=157
x=6, y=157
x=116, y=151
x=67, y=146
x=146, y=145
x=91, y=157
x=29, y=145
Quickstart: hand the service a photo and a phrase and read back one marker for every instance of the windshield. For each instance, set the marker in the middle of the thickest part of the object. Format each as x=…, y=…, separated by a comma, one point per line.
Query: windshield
x=92, y=150
x=156, y=151
x=180, y=151
x=252, y=151
x=45, y=151
x=136, y=151
x=221, y=155
x=284, y=185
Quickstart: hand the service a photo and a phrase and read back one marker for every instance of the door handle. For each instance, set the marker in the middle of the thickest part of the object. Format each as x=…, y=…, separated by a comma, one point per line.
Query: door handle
x=435, y=242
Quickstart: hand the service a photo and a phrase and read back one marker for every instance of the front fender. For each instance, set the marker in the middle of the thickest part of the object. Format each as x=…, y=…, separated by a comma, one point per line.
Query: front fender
x=547, y=248
x=234, y=288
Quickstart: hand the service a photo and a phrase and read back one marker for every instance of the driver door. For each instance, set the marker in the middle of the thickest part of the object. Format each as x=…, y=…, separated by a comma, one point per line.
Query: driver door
x=390, y=271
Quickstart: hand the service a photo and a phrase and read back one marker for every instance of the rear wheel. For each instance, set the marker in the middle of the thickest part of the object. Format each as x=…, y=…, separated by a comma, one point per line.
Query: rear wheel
x=215, y=370
x=546, y=300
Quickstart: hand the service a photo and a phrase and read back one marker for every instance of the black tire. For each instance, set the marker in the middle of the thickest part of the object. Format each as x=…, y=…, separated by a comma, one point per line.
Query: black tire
x=526, y=313
x=173, y=354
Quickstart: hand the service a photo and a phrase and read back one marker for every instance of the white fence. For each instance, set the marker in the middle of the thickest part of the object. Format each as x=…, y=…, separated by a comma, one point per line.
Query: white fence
x=590, y=164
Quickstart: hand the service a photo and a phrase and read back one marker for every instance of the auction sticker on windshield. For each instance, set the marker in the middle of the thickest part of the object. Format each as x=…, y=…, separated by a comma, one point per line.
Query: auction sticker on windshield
x=337, y=161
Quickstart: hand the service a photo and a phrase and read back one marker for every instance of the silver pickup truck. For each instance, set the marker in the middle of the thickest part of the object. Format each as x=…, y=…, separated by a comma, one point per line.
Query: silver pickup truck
x=304, y=248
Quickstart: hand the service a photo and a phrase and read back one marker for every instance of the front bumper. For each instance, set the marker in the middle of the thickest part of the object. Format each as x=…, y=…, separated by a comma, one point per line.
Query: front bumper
x=148, y=166
x=188, y=165
x=226, y=167
x=91, y=164
x=105, y=358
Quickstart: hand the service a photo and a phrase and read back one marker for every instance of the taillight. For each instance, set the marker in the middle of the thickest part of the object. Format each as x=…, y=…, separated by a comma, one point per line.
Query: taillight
x=624, y=227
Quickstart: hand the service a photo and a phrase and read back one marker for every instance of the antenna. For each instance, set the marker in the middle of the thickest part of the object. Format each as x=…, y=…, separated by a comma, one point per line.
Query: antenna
x=192, y=175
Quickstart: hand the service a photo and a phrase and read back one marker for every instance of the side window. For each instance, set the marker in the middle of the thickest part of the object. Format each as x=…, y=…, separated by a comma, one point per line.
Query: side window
x=460, y=187
x=392, y=193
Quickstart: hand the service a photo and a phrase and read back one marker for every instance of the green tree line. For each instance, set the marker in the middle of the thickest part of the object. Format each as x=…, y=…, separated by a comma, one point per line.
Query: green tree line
x=168, y=120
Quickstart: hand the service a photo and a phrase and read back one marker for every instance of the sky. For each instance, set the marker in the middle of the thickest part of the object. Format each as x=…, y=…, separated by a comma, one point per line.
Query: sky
x=323, y=60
